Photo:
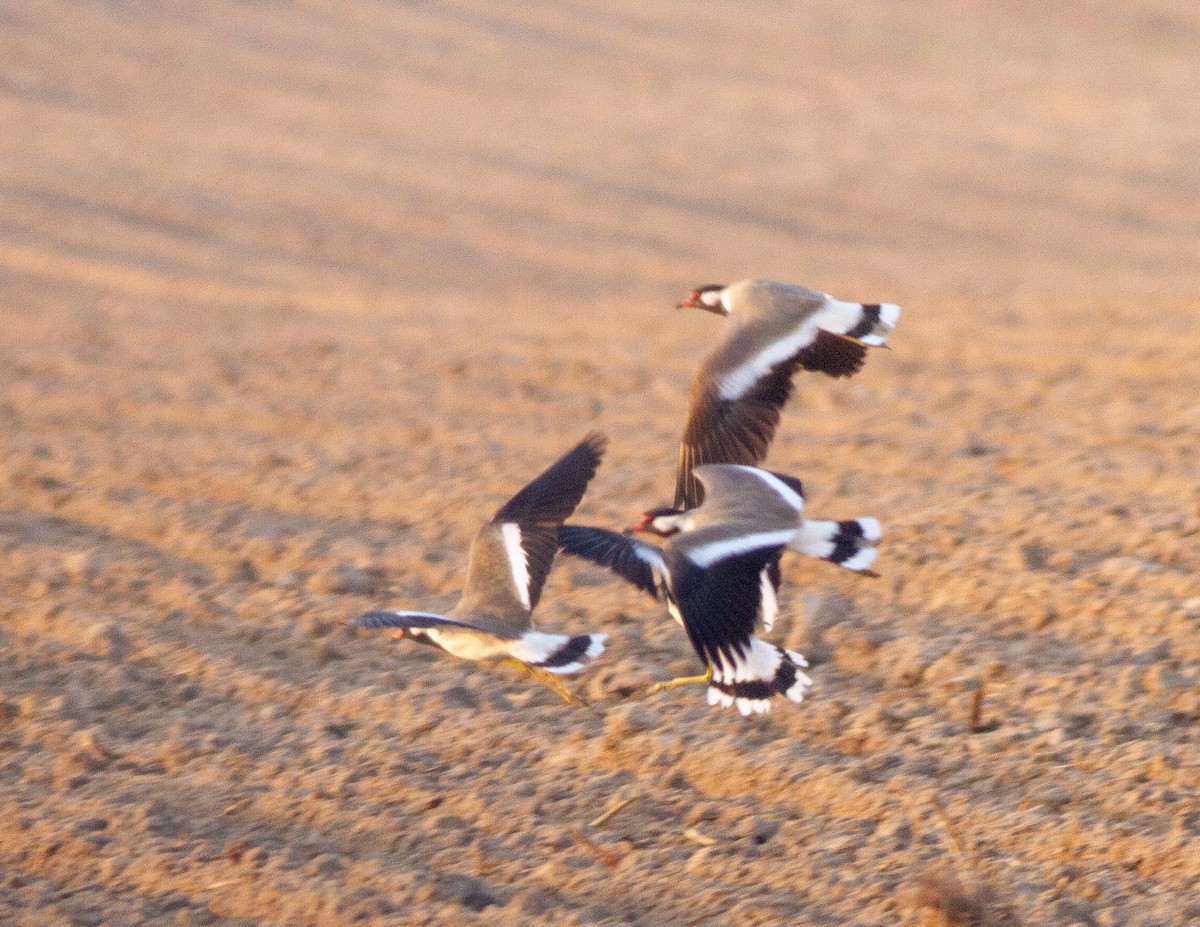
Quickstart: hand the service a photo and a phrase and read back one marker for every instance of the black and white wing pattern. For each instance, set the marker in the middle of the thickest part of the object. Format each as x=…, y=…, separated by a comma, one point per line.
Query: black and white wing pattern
x=717, y=583
x=741, y=388
x=738, y=492
x=642, y=564
x=723, y=429
x=715, y=577
x=512, y=554
x=635, y=561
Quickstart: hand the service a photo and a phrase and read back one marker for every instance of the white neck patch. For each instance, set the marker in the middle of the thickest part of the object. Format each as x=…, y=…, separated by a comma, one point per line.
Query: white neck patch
x=684, y=521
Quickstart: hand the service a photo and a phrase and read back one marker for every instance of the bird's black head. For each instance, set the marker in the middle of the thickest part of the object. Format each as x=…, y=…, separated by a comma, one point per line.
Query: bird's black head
x=663, y=521
x=706, y=297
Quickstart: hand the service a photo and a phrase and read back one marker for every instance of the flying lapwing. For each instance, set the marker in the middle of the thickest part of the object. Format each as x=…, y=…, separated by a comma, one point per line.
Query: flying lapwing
x=847, y=543
x=711, y=572
x=509, y=561
x=740, y=389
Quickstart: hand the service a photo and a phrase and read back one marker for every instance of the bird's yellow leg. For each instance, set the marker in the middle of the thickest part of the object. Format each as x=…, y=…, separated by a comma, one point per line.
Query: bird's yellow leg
x=549, y=680
x=680, y=681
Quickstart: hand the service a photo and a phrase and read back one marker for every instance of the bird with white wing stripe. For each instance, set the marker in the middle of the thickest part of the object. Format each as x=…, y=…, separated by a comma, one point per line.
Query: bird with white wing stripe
x=712, y=574
x=509, y=561
x=848, y=543
x=740, y=389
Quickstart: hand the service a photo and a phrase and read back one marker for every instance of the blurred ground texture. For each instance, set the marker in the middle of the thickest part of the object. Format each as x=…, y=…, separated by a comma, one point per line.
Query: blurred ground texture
x=292, y=296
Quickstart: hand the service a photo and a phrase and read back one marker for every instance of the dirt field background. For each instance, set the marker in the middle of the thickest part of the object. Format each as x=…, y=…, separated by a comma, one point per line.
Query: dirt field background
x=293, y=295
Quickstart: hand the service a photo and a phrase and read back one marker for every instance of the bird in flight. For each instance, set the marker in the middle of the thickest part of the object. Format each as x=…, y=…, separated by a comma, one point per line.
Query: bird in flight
x=712, y=574
x=509, y=561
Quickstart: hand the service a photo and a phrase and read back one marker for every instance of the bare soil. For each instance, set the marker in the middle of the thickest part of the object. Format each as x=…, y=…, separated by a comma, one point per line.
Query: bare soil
x=292, y=295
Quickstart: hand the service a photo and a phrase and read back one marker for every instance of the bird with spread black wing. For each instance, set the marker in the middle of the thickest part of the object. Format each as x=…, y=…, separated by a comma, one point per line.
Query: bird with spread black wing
x=740, y=389
x=712, y=572
x=509, y=561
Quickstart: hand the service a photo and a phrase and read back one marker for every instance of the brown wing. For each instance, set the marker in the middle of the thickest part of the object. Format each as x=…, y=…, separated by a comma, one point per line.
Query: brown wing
x=512, y=554
x=835, y=355
x=729, y=431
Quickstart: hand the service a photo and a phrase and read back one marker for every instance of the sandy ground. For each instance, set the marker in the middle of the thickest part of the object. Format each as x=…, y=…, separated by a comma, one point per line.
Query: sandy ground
x=292, y=296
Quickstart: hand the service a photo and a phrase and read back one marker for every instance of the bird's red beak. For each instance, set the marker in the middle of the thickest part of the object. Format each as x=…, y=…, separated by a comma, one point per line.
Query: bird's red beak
x=399, y=635
x=641, y=525
x=691, y=301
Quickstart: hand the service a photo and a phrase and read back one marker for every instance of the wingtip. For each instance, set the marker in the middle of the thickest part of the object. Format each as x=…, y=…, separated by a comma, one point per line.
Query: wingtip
x=596, y=439
x=375, y=619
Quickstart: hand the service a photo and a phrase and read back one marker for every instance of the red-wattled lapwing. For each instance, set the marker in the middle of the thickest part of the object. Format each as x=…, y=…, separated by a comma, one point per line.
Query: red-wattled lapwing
x=509, y=561
x=847, y=543
x=741, y=388
x=775, y=329
x=711, y=574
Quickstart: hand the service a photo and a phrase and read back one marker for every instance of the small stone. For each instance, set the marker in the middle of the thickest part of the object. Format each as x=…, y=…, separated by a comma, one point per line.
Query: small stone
x=460, y=697
x=243, y=571
x=345, y=579
x=109, y=641
x=895, y=829
x=699, y=860
x=327, y=652
x=468, y=891
x=629, y=720
x=703, y=811
x=325, y=866
x=82, y=566
x=761, y=829
x=1160, y=678
x=1054, y=797
x=901, y=661
x=234, y=850
x=1035, y=555
x=539, y=900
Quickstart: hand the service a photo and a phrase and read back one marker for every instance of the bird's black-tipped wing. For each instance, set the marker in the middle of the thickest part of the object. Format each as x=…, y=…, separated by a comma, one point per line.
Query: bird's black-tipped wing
x=385, y=619
x=729, y=431
x=511, y=555
x=554, y=495
x=635, y=561
x=719, y=602
x=791, y=482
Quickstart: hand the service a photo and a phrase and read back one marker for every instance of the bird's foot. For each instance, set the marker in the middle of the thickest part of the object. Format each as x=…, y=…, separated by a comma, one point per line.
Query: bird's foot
x=680, y=681
x=550, y=681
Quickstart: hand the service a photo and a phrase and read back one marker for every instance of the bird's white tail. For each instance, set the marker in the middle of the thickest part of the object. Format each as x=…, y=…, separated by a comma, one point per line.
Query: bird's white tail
x=750, y=680
x=849, y=544
x=866, y=323
x=560, y=654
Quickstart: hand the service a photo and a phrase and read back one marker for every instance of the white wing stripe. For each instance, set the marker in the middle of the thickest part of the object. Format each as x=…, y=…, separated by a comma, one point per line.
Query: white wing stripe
x=706, y=555
x=778, y=486
x=650, y=556
x=735, y=384
x=518, y=560
x=770, y=605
